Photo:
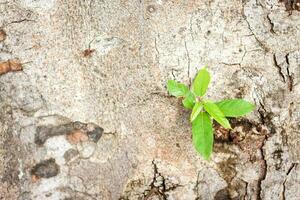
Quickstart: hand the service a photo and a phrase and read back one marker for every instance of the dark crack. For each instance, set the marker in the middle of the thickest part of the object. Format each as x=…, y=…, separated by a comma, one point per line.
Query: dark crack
x=289, y=75
x=287, y=174
x=249, y=136
x=291, y=5
x=172, y=72
x=236, y=63
x=222, y=195
x=266, y=120
x=279, y=68
x=286, y=75
x=261, y=44
x=263, y=173
x=246, y=190
x=189, y=62
x=156, y=49
x=196, y=188
x=21, y=21
x=159, y=186
x=271, y=24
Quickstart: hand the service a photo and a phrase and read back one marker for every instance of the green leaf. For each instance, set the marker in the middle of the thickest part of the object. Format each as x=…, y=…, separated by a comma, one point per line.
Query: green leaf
x=235, y=107
x=196, y=110
x=177, y=89
x=201, y=82
x=189, y=100
x=216, y=113
x=203, y=134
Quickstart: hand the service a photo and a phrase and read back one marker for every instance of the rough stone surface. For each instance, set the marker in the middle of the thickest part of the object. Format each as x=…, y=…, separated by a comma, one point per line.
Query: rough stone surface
x=104, y=65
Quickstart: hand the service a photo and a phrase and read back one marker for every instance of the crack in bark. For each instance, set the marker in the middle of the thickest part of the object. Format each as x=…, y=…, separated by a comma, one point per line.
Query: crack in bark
x=289, y=75
x=158, y=186
x=287, y=174
x=271, y=24
x=237, y=63
x=172, y=72
x=189, y=62
x=266, y=121
x=196, y=188
x=156, y=49
x=262, y=45
x=246, y=190
x=230, y=64
x=279, y=68
x=291, y=5
x=263, y=174
x=259, y=3
x=20, y=21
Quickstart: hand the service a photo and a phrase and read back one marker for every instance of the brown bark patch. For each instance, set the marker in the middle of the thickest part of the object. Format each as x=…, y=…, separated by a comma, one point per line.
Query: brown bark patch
x=291, y=4
x=88, y=52
x=2, y=35
x=77, y=136
x=10, y=65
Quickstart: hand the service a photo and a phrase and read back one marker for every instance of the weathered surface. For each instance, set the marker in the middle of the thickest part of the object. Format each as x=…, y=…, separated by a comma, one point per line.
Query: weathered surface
x=92, y=97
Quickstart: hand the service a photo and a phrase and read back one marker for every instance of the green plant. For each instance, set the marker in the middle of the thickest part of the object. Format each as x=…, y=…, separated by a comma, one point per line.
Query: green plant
x=204, y=110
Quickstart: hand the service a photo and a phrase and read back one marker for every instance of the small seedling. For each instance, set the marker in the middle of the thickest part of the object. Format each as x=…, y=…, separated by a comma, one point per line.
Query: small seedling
x=204, y=110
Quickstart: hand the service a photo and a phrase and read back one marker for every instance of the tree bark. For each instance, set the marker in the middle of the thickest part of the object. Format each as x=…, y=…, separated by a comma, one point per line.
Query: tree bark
x=91, y=85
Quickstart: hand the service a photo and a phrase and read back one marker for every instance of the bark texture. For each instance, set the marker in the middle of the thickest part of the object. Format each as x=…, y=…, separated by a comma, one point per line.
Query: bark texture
x=88, y=116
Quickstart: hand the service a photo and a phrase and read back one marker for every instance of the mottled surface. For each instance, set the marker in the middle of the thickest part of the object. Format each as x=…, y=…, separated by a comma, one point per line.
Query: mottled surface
x=105, y=64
